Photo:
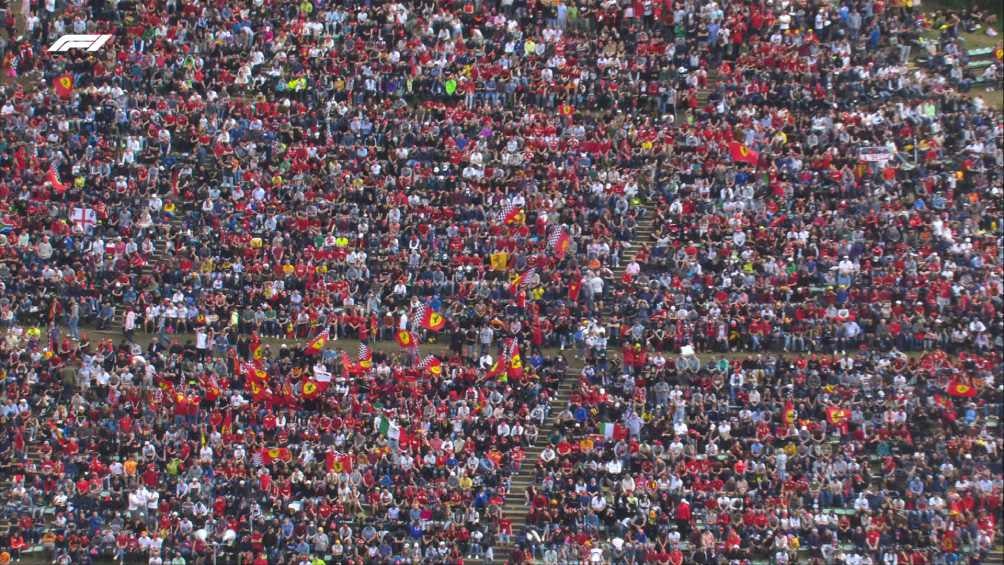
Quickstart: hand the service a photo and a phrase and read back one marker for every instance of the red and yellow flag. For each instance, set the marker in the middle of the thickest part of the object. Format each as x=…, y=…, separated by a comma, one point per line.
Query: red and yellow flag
x=63, y=85
x=515, y=365
x=338, y=462
x=311, y=389
x=961, y=390
x=257, y=351
x=837, y=415
x=406, y=339
x=498, y=368
x=432, y=320
x=432, y=365
x=270, y=455
x=316, y=345
x=788, y=415
x=259, y=390
x=742, y=154
x=365, y=357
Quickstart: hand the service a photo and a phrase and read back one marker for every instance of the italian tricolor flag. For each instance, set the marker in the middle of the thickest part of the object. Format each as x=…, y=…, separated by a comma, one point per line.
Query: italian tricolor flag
x=616, y=432
x=387, y=427
x=607, y=430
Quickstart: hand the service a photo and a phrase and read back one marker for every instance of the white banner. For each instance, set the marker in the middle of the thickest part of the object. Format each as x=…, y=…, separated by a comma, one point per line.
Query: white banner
x=874, y=154
x=84, y=219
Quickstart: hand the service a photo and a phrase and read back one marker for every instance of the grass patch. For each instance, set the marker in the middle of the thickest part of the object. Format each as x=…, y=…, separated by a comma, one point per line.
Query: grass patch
x=975, y=40
x=993, y=98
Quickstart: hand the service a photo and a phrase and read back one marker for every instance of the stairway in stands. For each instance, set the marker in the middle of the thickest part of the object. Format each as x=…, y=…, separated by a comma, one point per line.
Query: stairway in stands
x=515, y=510
x=33, y=454
x=159, y=255
x=644, y=234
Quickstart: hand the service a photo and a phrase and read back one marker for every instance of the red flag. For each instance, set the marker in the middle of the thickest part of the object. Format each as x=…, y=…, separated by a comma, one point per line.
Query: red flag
x=742, y=154
x=338, y=462
x=521, y=280
x=432, y=365
x=788, y=415
x=837, y=415
x=511, y=214
x=166, y=386
x=432, y=320
x=257, y=351
x=317, y=344
x=349, y=367
x=514, y=368
x=498, y=367
x=573, y=290
x=559, y=241
x=54, y=181
x=406, y=339
x=271, y=454
x=259, y=390
x=254, y=373
x=63, y=85
x=365, y=357
x=961, y=390
x=228, y=423
x=311, y=389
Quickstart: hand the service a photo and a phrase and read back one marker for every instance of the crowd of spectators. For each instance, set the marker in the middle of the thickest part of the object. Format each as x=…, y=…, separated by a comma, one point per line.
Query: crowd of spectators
x=821, y=459
x=218, y=174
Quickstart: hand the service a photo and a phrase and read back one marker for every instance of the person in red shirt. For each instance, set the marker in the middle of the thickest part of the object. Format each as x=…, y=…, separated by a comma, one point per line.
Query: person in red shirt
x=150, y=477
x=17, y=545
x=683, y=516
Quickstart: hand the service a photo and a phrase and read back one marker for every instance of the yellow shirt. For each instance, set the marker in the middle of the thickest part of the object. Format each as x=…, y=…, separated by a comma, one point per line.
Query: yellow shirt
x=499, y=260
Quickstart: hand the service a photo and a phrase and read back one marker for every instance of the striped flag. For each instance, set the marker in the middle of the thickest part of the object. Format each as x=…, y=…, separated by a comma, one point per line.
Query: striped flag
x=607, y=430
x=387, y=427
x=611, y=430
x=521, y=280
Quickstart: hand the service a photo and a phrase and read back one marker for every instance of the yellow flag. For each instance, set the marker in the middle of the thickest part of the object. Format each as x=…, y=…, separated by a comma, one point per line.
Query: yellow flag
x=499, y=260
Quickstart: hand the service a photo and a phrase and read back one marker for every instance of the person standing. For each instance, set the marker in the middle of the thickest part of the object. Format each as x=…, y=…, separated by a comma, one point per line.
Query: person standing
x=485, y=337
x=73, y=319
x=129, y=324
